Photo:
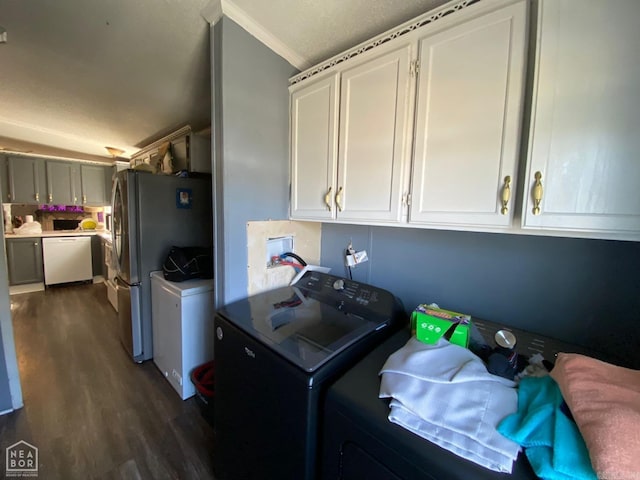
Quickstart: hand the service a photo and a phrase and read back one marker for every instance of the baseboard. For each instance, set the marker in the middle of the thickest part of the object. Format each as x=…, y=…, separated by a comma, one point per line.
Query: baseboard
x=27, y=288
x=98, y=279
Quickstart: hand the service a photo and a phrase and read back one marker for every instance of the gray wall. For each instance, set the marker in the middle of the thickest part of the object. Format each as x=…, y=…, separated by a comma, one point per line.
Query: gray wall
x=577, y=290
x=5, y=393
x=10, y=391
x=251, y=132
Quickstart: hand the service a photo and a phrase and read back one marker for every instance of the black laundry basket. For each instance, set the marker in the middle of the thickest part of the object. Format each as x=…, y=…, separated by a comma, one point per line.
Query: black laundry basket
x=202, y=378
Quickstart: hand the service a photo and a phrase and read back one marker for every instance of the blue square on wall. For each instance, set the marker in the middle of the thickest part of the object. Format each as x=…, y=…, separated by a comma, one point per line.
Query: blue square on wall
x=184, y=197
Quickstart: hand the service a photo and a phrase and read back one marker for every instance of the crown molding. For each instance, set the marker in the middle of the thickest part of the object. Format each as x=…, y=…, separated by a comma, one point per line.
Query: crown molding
x=247, y=22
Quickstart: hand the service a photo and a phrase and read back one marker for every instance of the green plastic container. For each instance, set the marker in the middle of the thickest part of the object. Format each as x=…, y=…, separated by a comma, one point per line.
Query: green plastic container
x=435, y=323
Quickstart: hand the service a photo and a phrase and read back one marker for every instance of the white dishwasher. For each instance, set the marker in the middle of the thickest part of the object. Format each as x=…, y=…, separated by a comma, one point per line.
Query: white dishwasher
x=66, y=259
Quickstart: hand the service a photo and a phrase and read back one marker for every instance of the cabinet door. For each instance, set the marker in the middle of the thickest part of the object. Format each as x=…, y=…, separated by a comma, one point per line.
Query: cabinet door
x=584, y=138
x=24, y=260
x=5, y=194
x=62, y=183
x=314, y=124
x=94, y=191
x=27, y=183
x=469, y=108
x=374, y=136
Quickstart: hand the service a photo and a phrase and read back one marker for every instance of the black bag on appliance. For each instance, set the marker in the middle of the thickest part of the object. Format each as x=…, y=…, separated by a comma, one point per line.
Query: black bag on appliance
x=185, y=263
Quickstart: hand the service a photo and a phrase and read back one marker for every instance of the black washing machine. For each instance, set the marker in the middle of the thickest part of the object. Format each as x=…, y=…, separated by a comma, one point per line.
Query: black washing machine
x=276, y=353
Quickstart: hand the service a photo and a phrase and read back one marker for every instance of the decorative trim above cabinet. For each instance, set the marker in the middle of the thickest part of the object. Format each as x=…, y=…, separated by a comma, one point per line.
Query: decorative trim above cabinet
x=408, y=27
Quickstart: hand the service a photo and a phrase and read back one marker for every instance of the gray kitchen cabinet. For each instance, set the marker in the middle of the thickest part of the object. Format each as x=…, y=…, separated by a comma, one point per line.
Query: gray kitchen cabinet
x=4, y=179
x=63, y=183
x=33, y=180
x=95, y=181
x=24, y=260
x=26, y=180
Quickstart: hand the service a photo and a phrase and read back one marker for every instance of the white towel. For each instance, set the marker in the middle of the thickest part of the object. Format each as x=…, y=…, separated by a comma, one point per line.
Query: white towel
x=444, y=394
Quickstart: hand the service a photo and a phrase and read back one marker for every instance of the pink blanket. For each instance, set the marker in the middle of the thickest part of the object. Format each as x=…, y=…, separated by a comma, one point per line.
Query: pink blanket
x=605, y=402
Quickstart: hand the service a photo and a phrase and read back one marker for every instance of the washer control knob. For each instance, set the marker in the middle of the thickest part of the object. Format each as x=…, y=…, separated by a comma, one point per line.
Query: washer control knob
x=338, y=284
x=505, y=339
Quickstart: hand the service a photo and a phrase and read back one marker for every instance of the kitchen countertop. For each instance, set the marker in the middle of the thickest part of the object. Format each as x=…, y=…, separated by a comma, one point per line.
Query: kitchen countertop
x=63, y=233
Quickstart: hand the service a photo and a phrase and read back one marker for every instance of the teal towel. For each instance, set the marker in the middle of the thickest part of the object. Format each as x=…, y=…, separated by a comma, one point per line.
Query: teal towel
x=551, y=441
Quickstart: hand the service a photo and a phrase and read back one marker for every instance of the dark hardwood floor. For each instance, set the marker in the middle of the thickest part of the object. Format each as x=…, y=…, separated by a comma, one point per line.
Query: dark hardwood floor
x=91, y=411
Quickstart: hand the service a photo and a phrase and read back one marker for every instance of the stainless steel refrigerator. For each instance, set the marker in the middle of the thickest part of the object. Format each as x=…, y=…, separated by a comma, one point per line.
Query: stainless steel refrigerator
x=151, y=213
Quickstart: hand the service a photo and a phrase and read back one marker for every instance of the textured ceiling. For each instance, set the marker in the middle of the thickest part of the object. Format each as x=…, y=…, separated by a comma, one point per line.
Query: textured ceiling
x=76, y=76
x=80, y=75
x=319, y=29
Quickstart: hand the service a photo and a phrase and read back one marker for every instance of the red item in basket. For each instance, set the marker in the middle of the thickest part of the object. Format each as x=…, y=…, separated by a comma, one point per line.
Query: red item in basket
x=202, y=377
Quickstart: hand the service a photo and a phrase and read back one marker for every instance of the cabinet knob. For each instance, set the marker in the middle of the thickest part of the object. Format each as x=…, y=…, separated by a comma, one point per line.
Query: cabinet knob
x=75, y=200
x=327, y=199
x=339, y=199
x=84, y=199
x=537, y=193
x=506, y=195
x=35, y=244
x=37, y=197
x=50, y=198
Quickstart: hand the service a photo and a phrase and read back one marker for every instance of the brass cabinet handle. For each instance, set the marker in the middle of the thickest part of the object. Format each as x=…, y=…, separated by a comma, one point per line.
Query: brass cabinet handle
x=537, y=193
x=327, y=199
x=37, y=197
x=506, y=195
x=50, y=198
x=339, y=199
x=75, y=200
x=84, y=199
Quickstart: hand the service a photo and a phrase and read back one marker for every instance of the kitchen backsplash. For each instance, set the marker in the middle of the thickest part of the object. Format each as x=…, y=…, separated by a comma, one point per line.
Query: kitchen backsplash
x=46, y=217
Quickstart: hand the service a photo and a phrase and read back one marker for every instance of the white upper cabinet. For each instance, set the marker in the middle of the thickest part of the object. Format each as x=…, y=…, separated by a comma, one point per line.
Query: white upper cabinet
x=584, y=140
x=468, y=121
x=373, y=139
x=353, y=169
x=353, y=133
x=314, y=124
x=422, y=125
